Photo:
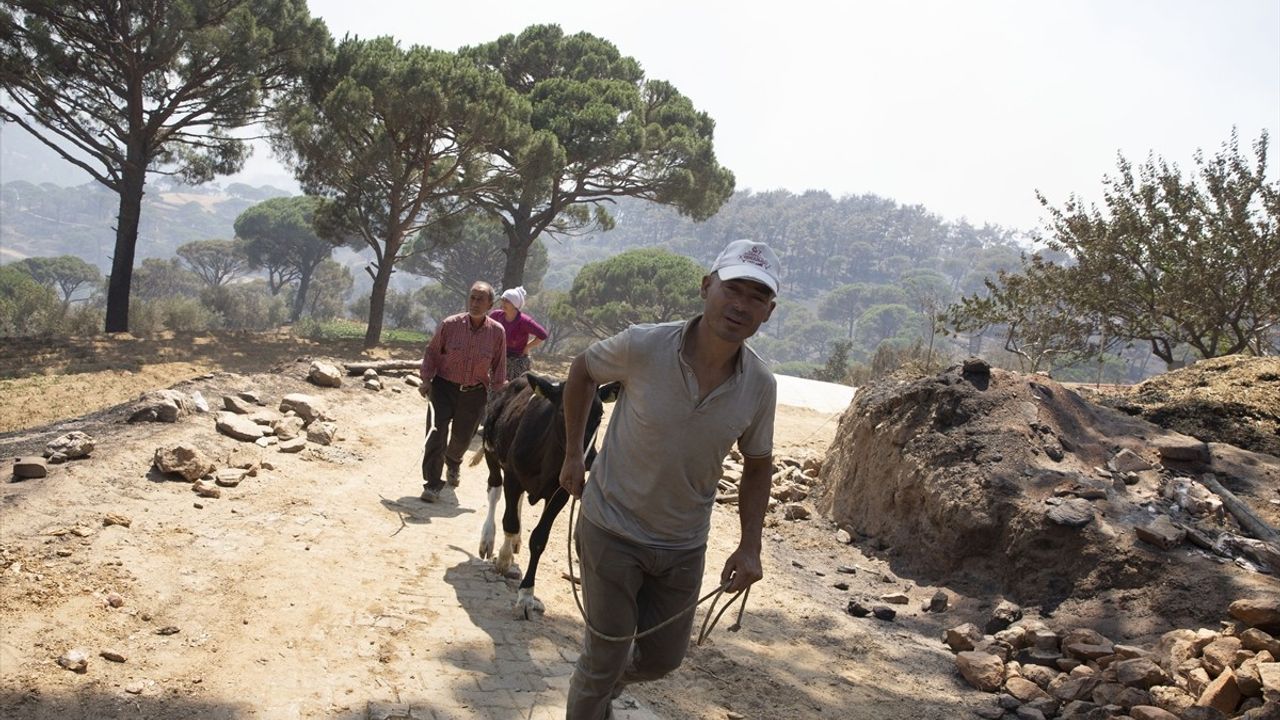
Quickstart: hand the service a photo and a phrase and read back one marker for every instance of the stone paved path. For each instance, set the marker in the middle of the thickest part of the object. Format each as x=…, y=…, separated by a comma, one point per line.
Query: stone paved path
x=447, y=635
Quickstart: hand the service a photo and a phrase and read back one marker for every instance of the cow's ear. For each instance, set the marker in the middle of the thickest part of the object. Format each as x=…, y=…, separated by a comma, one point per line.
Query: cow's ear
x=544, y=387
x=608, y=393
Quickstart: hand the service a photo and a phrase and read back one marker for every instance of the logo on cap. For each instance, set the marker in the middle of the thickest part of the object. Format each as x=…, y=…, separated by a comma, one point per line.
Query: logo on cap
x=755, y=257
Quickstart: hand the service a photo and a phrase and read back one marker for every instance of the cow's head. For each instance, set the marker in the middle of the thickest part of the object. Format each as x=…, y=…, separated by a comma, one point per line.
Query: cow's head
x=554, y=393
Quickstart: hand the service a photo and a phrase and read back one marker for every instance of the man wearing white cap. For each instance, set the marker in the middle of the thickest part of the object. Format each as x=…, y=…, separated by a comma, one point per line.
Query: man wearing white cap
x=690, y=390
x=523, y=332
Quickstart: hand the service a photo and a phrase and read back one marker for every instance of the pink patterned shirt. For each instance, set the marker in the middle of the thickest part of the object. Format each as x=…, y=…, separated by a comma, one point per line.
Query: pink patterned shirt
x=465, y=355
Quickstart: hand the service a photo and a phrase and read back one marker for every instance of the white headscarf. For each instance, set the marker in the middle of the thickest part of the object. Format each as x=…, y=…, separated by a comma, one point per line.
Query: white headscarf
x=515, y=296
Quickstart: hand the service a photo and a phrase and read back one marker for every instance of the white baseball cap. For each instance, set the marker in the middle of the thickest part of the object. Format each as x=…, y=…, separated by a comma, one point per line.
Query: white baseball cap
x=750, y=260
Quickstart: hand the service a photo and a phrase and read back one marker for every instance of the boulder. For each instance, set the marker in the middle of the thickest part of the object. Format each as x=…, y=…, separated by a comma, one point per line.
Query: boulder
x=962, y=637
x=305, y=406
x=238, y=427
x=1161, y=532
x=322, y=433
x=30, y=467
x=1072, y=513
x=1150, y=712
x=982, y=670
x=288, y=427
x=1140, y=673
x=237, y=405
x=1182, y=448
x=160, y=406
x=1223, y=694
x=184, y=460
x=71, y=446
x=1257, y=612
x=324, y=374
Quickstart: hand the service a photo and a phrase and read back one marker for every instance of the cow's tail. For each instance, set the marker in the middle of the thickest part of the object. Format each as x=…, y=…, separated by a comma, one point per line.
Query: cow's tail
x=476, y=457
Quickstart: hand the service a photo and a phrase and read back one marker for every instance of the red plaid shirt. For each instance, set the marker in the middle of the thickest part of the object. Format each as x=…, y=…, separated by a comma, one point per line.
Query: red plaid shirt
x=462, y=354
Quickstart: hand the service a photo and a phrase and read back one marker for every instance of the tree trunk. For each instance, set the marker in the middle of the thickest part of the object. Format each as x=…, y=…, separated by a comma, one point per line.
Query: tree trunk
x=519, y=239
x=300, y=301
x=133, y=178
x=378, y=301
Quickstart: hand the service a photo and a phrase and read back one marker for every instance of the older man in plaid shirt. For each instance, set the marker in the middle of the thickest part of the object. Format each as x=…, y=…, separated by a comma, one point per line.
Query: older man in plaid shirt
x=465, y=361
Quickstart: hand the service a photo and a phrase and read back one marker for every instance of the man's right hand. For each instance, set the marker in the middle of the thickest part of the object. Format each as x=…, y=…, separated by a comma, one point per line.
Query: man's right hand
x=573, y=475
x=425, y=390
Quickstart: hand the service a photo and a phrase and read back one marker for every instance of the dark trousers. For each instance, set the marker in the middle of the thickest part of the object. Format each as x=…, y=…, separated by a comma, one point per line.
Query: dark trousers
x=628, y=588
x=455, y=415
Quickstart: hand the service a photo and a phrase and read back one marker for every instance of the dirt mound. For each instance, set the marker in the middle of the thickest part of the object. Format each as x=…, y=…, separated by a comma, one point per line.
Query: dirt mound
x=997, y=480
x=1233, y=399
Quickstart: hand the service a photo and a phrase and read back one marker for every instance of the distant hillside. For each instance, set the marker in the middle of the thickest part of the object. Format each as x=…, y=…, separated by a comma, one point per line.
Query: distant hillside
x=47, y=219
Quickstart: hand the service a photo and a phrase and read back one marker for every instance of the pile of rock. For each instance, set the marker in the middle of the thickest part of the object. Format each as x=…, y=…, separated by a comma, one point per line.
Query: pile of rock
x=790, y=487
x=1079, y=674
x=206, y=476
x=301, y=419
x=71, y=446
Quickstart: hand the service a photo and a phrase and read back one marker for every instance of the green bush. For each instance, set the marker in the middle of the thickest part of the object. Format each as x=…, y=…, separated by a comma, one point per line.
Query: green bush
x=246, y=306
x=26, y=307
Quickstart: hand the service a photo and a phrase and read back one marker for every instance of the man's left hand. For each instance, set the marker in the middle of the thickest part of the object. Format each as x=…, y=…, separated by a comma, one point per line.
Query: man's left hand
x=741, y=570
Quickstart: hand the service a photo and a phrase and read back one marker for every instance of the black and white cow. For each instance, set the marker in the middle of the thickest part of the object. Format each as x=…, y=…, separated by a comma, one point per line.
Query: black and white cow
x=524, y=447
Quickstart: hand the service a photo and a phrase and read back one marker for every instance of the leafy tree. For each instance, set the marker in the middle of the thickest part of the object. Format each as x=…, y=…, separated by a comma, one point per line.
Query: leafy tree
x=383, y=133
x=124, y=89
x=846, y=303
x=464, y=247
x=809, y=340
x=600, y=131
x=1176, y=259
x=1038, y=320
x=638, y=286
x=330, y=285
x=881, y=322
x=66, y=272
x=837, y=366
x=159, y=279
x=26, y=306
x=280, y=236
x=215, y=262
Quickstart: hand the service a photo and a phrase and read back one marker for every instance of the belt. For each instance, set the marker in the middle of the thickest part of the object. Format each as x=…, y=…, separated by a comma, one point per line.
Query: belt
x=515, y=355
x=462, y=388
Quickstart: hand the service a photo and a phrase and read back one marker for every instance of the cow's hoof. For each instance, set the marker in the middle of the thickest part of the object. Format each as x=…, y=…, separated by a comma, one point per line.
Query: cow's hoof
x=527, y=605
x=486, y=549
x=513, y=573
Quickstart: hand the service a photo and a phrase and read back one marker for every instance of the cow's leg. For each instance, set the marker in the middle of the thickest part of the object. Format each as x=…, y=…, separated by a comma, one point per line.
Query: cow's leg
x=526, y=602
x=495, y=489
x=510, y=524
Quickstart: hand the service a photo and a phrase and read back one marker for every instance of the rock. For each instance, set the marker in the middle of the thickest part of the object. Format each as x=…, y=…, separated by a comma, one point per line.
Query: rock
x=238, y=427
x=1257, y=641
x=160, y=406
x=1073, y=513
x=982, y=670
x=71, y=446
x=1161, y=532
x=938, y=603
x=266, y=441
x=237, y=405
x=1140, y=673
x=962, y=637
x=322, y=433
x=1171, y=699
x=115, y=519
x=1085, y=651
x=324, y=374
x=976, y=366
x=306, y=407
x=206, y=489
x=288, y=427
x=1005, y=614
x=1269, y=674
x=412, y=380
x=1039, y=674
x=30, y=467
x=884, y=612
x=198, y=402
x=229, y=477
x=1247, y=677
x=292, y=445
x=135, y=688
x=184, y=460
x=114, y=599
x=857, y=609
x=266, y=417
x=1219, y=654
x=1181, y=448
x=1150, y=712
x=1223, y=693
x=1024, y=689
x=795, y=511
x=1127, y=461
x=372, y=383
x=252, y=396
x=1203, y=713
x=1257, y=612
x=1028, y=713
x=75, y=660
x=843, y=537
x=1076, y=688
x=113, y=656
x=896, y=598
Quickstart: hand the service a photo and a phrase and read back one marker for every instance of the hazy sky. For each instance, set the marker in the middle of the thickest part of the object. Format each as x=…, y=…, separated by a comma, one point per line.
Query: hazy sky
x=964, y=107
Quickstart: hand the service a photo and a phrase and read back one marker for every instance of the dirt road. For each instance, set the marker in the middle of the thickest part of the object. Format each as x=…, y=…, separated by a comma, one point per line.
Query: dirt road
x=323, y=588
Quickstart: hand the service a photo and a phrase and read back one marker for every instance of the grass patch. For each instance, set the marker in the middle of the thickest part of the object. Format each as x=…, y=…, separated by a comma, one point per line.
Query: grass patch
x=354, y=330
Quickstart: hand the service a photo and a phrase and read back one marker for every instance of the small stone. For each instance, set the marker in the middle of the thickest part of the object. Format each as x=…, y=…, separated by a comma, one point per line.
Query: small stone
x=30, y=467
x=115, y=600
x=841, y=586
x=203, y=488
x=75, y=660
x=115, y=519
x=846, y=569
x=843, y=537
x=938, y=603
x=884, y=612
x=113, y=656
x=896, y=598
x=168, y=630
x=134, y=688
x=857, y=609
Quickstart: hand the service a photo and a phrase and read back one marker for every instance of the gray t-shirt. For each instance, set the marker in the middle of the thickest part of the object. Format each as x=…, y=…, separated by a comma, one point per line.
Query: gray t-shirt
x=654, y=481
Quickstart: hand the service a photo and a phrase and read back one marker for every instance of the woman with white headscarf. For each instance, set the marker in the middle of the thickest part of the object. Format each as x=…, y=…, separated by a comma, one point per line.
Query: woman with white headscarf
x=523, y=332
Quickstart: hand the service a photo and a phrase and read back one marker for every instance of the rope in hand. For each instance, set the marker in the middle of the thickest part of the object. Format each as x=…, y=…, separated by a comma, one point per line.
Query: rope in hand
x=712, y=616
